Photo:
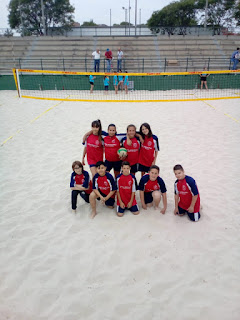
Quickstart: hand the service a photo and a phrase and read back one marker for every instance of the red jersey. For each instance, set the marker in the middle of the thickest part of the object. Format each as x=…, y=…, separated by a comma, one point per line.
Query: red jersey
x=111, y=144
x=147, y=150
x=104, y=184
x=186, y=189
x=126, y=185
x=94, y=149
x=133, y=150
x=82, y=179
x=147, y=185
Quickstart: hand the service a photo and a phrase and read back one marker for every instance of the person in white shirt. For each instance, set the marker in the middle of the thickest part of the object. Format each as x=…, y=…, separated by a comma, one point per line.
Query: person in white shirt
x=119, y=57
x=96, y=56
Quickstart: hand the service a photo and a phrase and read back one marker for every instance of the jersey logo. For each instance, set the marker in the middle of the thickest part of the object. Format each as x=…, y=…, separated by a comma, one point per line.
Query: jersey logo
x=97, y=142
x=129, y=182
x=113, y=141
x=155, y=187
x=105, y=183
x=184, y=188
x=149, y=143
x=134, y=145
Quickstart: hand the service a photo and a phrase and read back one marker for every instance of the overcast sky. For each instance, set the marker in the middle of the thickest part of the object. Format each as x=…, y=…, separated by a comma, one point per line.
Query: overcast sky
x=99, y=10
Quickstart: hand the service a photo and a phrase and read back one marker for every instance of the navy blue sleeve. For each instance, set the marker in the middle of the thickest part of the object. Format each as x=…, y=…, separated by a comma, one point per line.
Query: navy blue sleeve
x=156, y=143
x=175, y=187
x=123, y=140
x=162, y=185
x=104, y=133
x=94, y=182
x=142, y=183
x=192, y=184
x=72, y=180
x=86, y=180
x=112, y=181
x=135, y=180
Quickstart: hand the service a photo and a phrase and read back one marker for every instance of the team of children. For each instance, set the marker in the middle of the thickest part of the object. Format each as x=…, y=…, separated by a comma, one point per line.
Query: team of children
x=119, y=82
x=142, y=150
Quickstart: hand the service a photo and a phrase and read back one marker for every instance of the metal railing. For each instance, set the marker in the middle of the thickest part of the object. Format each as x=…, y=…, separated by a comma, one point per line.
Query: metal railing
x=131, y=65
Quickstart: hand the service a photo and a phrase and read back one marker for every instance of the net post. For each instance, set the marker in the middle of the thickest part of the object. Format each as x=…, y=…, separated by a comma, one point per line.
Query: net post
x=15, y=79
x=187, y=65
x=63, y=65
x=165, y=63
x=208, y=62
x=18, y=84
x=41, y=64
x=143, y=66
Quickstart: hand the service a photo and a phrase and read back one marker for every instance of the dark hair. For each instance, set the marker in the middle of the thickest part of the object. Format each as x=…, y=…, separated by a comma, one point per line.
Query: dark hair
x=78, y=163
x=154, y=167
x=125, y=163
x=111, y=125
x=178, y=167
x=97, y=124
x=99, y=163
x=237, y=48
x=131, y=125
x=145, y=124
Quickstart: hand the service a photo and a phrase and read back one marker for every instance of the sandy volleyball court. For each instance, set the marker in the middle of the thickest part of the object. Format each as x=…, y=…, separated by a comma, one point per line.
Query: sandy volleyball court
x=58, y=266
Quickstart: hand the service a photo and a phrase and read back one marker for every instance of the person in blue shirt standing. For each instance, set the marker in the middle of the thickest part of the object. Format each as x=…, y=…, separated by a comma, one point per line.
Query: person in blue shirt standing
x=235, y=59
x=91, y=81
x=126, y=83
x=106, y=84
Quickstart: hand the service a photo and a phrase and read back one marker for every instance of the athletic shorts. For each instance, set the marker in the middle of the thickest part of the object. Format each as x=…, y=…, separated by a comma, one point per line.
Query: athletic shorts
x=203, y=79
x=92, y=83
x=116, y=165
x=132, y=209
x=143, y=168
x=194, y=216
x=106, y=88
x=134, y=168
x=110, y=202
x=148, y=198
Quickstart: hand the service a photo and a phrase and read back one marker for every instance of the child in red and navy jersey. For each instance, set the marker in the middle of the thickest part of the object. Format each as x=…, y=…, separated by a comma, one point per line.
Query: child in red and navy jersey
x=187, y=198
x=148, y=150
x=132, y=144
x=126, y=189
x=104, y=188
x=79, y=184
x=151, y=188
x=94, y=147
x=111, y=146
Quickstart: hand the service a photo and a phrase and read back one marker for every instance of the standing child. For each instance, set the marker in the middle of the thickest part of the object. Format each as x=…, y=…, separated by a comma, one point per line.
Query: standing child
x=126, y=83
x=203, y=77
x=151, y=188
x=148, y=150
x=120, y=80
x=94, y=147
x=111, y=146
x=126, y=189
x=132, y=148
x=106, y=84
x=104, y=187
x=187, y=198
x=115, y=83
x=79, y=184
x=91, y=81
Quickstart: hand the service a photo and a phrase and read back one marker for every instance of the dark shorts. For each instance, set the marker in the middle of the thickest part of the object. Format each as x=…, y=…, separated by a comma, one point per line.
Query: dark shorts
x=143, y=168
x=134, y=168
x=92, y=83
x=148, y=198
x=116, y=165
x=106, y=88
x=110, y=202
x=203, y=79
x=194, y=216
x=132, y=209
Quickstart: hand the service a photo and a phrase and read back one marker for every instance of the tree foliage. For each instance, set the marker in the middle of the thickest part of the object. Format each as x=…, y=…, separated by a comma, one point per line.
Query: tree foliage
x=224, y=13
x=25, y=16
x=89, y=24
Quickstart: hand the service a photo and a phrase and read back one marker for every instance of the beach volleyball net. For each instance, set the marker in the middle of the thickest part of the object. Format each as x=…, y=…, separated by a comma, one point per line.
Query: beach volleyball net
x=134, y=87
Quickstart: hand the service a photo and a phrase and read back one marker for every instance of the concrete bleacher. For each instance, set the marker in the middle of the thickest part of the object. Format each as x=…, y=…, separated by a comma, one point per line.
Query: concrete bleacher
x=142, y=54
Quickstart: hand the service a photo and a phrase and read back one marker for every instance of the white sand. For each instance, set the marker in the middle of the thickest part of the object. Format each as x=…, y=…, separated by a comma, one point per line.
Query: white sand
x=58, y=266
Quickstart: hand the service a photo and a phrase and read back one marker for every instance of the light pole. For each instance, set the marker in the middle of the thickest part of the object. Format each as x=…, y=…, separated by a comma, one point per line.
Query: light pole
x=110, y=21
x=206, y=13
x=43, y=18
x=135, y=18
x=129, y=8
x=125, y=20
x=140, y=20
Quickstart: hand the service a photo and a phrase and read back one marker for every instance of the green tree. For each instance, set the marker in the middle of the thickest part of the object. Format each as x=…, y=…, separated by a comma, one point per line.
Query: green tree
x=237, y=13
x=177, y=13
x=89, y=24
x=25, y=16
